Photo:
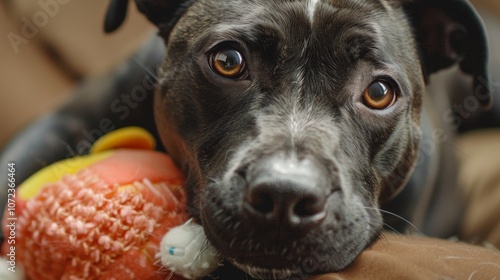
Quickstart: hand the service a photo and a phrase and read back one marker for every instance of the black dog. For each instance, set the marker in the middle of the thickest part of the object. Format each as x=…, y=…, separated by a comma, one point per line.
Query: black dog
x=295, y=120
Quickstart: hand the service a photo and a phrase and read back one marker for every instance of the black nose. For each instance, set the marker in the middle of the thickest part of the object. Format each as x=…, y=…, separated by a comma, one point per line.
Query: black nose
x=287, y=192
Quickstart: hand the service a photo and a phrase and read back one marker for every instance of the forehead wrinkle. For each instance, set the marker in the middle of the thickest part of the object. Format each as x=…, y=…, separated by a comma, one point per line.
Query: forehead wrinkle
x=348, y=43
x=356, y=3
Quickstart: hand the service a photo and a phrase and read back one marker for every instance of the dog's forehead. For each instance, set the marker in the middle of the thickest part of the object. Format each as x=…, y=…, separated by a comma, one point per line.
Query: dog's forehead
x=339, y=27
x=293, y=19
x=243, y=9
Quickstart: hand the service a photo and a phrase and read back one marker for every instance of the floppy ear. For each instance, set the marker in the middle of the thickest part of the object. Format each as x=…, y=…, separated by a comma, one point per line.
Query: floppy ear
x=162, y=13
x=450, y=32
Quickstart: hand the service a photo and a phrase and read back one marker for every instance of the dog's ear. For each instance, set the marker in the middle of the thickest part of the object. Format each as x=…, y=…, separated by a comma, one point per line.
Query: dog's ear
x=450, y=32
x=162, y=13
x=117, y=11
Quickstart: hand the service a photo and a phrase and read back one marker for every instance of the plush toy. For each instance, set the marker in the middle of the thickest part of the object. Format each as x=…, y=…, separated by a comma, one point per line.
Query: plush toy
x=108, y=215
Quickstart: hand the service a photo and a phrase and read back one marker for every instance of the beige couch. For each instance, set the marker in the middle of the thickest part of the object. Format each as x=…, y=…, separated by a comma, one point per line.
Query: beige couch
x=36, y=74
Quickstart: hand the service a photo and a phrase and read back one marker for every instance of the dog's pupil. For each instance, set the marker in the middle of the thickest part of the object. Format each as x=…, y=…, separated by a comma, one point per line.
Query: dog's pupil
x=379, y=95
x=230, y=61
x=378, y=91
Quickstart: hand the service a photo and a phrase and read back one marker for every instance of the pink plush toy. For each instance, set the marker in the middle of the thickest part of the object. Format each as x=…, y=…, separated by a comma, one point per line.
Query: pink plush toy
x=103, y=216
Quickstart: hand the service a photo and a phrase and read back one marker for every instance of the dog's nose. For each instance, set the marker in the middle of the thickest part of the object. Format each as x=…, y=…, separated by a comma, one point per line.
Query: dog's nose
x=287, y=193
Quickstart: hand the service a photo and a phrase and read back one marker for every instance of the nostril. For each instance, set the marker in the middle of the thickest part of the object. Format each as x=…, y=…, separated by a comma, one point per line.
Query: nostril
x=261, y=202
x=308, y=207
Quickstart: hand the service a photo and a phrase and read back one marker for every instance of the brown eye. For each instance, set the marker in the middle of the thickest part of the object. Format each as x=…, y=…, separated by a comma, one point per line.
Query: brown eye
x=228, y=63
x=379, y=95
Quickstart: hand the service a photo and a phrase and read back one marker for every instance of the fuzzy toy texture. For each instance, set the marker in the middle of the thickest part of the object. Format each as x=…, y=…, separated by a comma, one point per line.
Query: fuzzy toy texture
x=103, y=222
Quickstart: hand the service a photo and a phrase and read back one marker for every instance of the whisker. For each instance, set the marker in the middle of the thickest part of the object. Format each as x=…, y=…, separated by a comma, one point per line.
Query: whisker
x=146, y=69
x=383, y=237
x=401, y=218
x=212, y=180
x=393, y=229
x=394, y=215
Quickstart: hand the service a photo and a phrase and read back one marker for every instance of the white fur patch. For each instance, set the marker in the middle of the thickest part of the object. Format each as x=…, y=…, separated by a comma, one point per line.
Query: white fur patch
x=311, y=9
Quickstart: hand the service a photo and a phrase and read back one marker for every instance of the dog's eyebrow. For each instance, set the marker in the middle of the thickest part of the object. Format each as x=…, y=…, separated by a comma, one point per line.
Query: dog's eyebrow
x=362, y=47
x=353, y=42
x=258, y=37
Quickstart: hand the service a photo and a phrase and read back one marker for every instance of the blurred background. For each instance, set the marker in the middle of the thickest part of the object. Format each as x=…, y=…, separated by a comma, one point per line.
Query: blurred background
x=47, y=47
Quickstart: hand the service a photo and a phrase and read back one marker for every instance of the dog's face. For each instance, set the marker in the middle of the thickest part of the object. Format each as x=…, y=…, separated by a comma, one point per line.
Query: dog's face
x=292, y=120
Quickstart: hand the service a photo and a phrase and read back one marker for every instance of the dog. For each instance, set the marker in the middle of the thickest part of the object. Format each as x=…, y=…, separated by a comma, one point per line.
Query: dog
x=295, y=121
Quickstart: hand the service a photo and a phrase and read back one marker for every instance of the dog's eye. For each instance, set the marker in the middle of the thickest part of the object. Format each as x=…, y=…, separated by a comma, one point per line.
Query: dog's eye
x=228, y=63
x=379, y=95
